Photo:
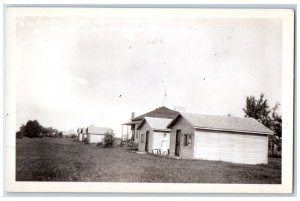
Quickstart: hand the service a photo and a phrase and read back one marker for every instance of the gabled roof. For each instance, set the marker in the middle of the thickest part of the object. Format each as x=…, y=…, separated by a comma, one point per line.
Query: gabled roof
x=156, y=123
x=132, y=123
x=161, y=112
x=98, y=130
x=223, y=123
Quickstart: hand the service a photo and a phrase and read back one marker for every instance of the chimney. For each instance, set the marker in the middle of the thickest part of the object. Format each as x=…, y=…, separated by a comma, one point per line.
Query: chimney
x=132, y=115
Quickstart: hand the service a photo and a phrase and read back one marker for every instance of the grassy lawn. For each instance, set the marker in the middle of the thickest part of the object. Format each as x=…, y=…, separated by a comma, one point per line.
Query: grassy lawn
x=65, y=159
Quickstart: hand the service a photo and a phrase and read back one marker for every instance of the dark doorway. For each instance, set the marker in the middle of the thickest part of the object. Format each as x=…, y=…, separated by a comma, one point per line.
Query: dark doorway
x=177, y=145
x=147, y=141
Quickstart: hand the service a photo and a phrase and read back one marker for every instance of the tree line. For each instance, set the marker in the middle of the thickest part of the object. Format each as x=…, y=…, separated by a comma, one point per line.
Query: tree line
x=259, y=109
x=34, y=129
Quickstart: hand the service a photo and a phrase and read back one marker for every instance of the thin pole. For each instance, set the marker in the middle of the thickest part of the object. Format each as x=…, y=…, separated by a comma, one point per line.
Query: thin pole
x=165, y=94
x=122, y=134
x=127, y=132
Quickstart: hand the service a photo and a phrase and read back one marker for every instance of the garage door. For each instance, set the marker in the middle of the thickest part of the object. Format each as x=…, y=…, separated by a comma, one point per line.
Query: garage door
x=158, y=138
x=237, y=148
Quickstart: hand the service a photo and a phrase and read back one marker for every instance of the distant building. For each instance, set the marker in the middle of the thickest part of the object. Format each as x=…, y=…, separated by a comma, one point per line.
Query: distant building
x=96, y=134
x=84, y=134
x=69, y=133
x=80, y=134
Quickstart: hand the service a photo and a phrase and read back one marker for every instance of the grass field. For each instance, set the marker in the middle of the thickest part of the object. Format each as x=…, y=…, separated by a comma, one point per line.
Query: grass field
x=65, y=159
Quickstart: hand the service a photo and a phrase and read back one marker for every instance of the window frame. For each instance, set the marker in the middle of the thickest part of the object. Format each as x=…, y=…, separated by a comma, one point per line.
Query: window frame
x=186, y=141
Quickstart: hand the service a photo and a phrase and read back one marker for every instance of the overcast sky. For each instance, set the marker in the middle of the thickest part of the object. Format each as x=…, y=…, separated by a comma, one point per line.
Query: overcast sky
x=75, y=71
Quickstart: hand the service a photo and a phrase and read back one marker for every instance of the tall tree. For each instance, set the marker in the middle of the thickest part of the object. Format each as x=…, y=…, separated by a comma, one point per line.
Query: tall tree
x=33, y=129
x=258, y=109
x=276, y=121
x=21, y=132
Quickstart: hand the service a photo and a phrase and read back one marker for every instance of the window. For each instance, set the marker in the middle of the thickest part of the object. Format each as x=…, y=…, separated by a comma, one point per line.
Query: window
x=187, y=140
x=142, y=138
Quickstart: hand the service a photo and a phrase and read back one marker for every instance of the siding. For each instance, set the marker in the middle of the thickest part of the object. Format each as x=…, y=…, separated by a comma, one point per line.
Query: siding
x=186, y=128
x=93, y=138
x=84, y=136
x=141, y=131
x=231, y=147
x=80, y=137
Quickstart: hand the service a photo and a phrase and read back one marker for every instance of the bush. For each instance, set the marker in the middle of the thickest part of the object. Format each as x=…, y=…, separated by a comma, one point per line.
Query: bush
x=99, y=144
x=73, y=136
x=85, y=141
x=33, y=129
x=108, y=140
x=275, y=145
x=19, y=135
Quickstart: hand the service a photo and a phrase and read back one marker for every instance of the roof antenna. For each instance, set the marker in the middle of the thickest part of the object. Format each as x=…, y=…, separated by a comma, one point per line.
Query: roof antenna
x=165, y=92
x=165, y=95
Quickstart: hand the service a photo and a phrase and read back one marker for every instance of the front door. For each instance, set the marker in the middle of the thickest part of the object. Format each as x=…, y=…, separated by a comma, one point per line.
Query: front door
x=147, y=141
x=177, y=145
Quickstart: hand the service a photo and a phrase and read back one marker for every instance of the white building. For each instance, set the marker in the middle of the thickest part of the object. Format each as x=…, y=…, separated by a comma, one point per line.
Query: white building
x=96, y=134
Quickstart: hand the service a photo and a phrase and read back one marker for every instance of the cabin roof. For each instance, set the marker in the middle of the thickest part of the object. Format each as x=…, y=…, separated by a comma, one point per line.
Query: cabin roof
x=160, y=112
x=98, y=130
x=132, y=123
x=223, y=123
x=156, y=123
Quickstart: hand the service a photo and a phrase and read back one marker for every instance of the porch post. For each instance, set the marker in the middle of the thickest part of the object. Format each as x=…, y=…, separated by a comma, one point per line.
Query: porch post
x=135, y=129
x=122, y=137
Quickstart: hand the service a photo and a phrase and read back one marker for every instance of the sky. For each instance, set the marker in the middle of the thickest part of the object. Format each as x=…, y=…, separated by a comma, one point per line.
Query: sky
x=78, y=71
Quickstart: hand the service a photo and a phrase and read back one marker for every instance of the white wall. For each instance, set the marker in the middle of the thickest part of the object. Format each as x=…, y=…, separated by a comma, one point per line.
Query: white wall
x=231, y=147
x=92, y=138
x=158, y=138
x=80, y=136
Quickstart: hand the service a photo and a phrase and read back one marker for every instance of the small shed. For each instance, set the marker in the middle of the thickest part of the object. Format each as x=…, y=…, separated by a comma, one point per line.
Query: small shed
x=220, y=138
x=84, y=134
x=153, y=134
x=80, y=134
x=96, y=134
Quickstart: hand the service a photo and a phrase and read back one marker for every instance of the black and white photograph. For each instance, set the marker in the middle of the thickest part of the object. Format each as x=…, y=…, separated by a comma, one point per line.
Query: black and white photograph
x=152, y=100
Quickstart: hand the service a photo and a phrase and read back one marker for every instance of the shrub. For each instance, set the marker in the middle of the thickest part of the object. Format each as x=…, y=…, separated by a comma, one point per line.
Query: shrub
x=99, y=144
x=73, y=136
x=85, y=141
x=33, y=129
x=108, y=140
x=19, y=134
x=275, y=145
